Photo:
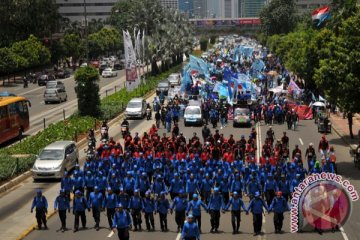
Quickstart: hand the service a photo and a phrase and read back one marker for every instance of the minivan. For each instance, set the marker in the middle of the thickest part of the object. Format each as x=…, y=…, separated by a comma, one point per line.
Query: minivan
x=55, y=159
x=193, y=113
x=136, y=108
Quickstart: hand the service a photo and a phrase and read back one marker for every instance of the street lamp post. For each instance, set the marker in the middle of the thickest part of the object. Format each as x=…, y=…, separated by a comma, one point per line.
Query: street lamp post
x=86, y=34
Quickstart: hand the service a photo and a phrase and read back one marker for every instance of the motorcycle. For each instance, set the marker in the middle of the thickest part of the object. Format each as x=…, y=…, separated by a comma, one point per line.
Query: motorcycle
x=25, y=82
x=124, y=130
x=148, y=114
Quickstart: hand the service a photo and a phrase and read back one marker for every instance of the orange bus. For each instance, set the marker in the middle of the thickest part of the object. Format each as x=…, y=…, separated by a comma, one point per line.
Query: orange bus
x=14, y=117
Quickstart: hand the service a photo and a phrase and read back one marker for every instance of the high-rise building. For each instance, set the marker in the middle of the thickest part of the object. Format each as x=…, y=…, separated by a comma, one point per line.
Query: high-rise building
x=306, y=6
x=228, y=9
x=170, y=3
x=187, y=7
x=74, y=9
x=250, y=8
x=200, y=8
x=213, y=8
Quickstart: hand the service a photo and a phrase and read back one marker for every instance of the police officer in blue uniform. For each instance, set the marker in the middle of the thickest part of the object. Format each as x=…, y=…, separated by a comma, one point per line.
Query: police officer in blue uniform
x=95, y=202
x=279, y=205
x=190, y=230
x=148, y=206
x=79, y=206
x=122, y=223
x=180, y=204
x=236, y=204
x=109, y=203
x=62, y=203
x=195, y=205
x=215, y=204
x=256, y=207
x=162, y=207
x=135, y=206
x=41, y=205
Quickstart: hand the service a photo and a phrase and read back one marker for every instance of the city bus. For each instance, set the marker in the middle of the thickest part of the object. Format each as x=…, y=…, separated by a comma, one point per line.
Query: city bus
x=14, y=117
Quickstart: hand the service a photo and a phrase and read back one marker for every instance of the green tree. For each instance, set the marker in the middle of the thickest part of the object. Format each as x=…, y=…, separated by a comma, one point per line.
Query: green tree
x=30, y=53
x=278, y=17
x=339, y=73
x=21, y=18
x=87, y=90
x=74, y=46
x=106, y=40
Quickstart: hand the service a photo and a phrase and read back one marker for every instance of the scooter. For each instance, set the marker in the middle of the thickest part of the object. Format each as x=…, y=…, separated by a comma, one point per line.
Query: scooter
x=25, y=82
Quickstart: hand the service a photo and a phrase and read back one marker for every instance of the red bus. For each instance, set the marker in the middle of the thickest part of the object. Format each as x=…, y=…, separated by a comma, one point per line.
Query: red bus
x=14, y=117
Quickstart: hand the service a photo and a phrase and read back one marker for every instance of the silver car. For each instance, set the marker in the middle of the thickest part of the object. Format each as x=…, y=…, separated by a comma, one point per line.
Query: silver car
x=136, y=108
x=55, y=159
x=174, y=79
x=55, y=95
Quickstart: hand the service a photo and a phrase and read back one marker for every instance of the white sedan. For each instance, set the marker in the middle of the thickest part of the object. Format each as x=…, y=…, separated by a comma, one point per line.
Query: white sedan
x=108, y=72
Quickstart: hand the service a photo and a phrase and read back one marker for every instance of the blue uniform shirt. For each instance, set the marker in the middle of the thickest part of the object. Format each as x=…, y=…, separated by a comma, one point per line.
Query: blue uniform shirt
x=67, y=184
x=235, y=204
x=121, y=220
x=62, y=203
x=279, y=205
x=135, y=203
x=256, y=206
x=39, y=202
x=162, y=206
x=80, y=204
x=191, y=186
x=148, y=205
x=196, y=207
x=96, y=199
x=215, y=202
x=180, y=204
x=190, y=230
x=110, y=201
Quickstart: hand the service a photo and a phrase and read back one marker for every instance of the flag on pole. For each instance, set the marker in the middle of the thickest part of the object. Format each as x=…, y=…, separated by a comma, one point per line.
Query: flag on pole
x=321, y=14
x=130, y=59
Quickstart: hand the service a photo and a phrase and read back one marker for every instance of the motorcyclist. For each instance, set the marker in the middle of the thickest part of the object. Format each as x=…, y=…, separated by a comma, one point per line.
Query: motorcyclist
x=125, y=123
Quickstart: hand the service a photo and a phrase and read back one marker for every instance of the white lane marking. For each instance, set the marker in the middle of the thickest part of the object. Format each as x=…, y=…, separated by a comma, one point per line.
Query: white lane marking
x=33, y=90
x=110, y=234
x=343, y=233
x=178, y=236
x=301, y=141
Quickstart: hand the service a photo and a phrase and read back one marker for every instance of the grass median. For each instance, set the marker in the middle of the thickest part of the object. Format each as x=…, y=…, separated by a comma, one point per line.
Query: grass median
x=73, y=128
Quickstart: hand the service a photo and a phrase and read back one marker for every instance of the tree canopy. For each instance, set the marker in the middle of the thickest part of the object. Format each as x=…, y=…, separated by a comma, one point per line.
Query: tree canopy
x=278, y=17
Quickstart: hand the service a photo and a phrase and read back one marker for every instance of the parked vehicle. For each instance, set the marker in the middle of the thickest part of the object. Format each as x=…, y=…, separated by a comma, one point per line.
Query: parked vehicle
x=136, y=108
x=102, y=67
x=108, y=72
x=55, y=95
x=174, y=79
x=163, y=87
x=44, y=78
x=55, y=159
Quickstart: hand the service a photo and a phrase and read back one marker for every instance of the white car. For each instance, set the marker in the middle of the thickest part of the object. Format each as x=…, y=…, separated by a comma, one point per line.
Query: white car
x=193, y=113
x=136, y=108
x=108, y=72
x=112, y=58
x=55, y=159
x=174, y=79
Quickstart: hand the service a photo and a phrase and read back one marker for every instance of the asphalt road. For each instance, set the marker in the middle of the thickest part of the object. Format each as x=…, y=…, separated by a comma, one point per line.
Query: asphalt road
x=54, y=112
x=306, y=133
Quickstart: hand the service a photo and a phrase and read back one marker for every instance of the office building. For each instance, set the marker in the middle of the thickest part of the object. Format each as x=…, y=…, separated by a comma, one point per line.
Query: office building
x=170, y=3
x=200, y=8
x=250, y=8
x=187, y=7
x=213, y=8
x=307, y=6
x=74, y=9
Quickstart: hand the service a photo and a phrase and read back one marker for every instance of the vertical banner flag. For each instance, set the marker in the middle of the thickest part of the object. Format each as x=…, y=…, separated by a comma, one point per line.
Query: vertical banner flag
x=130, y=59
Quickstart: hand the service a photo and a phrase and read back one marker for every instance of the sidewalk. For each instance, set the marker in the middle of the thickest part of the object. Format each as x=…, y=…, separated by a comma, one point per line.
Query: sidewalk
x=341, y=127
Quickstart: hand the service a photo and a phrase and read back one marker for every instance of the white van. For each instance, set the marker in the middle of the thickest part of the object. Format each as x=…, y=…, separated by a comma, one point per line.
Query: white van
x=193, y=113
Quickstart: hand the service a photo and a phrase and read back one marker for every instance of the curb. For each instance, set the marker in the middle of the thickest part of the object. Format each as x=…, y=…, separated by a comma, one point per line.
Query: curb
x=12, y=183
x=338, y=132
x=33, y=227
x=81, y=142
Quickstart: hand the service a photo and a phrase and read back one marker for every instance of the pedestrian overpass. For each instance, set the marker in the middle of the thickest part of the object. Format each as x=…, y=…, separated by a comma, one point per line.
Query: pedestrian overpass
x=221, y=23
